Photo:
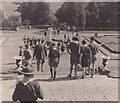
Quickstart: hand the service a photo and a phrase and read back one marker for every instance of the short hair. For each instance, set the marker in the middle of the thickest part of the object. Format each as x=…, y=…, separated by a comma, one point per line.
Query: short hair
x=83, y=42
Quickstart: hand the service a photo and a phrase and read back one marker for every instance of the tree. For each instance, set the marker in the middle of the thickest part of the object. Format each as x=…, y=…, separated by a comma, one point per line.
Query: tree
x=36, y=12
x=72, y=13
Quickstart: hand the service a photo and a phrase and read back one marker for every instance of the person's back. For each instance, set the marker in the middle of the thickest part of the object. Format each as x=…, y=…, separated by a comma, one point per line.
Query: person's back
x=74, y=48
x=26, y=54
x=27, y=90
x=93, y=48
x=38, y=51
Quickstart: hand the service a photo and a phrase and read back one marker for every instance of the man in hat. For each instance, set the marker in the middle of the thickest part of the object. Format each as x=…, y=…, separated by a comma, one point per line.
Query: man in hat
x=74, y=51
x=94, y=51
x=26, y=89
x=54, y=57
x=39, y=53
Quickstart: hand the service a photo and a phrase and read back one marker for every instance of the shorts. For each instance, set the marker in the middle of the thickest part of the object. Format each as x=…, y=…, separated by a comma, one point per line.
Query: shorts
x=53, y=63
x=74, y=59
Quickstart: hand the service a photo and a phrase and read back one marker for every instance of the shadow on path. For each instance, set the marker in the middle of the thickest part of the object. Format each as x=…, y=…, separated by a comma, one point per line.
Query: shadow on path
x=58, y=79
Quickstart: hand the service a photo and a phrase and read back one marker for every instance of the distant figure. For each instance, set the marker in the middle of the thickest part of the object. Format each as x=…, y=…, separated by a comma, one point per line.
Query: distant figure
x=28, y=40
x=62, y=48
x=45, y=33
x=44, y=48
x=65, y=38
x=39, y=53
x=74, y=51
x=68, y=39
x=25, y=39
x=27, y=55
x=27, y=90
x=54, y=57
x=20, y=50
x=58, y=31
x=85, y=58
x=58, y=46
x=94, y=50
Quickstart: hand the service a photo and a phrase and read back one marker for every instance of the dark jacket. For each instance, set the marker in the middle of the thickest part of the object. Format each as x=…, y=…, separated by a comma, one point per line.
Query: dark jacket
x=29, y=92
x=38, y=52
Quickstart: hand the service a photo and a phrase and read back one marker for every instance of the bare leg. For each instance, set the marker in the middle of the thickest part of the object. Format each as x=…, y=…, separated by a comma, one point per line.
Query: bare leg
x=75, y=70
x=83, y=73
x=51, y=71
x=71, y=68
x=54, y=73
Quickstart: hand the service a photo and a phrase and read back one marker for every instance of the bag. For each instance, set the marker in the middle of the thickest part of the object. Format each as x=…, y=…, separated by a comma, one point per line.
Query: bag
x=27, y=54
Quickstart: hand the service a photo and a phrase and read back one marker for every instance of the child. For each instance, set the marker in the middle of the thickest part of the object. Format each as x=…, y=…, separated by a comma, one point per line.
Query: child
x=54, y=57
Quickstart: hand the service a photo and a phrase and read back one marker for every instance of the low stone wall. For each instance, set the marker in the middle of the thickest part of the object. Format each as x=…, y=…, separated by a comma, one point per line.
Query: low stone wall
x=107, y=47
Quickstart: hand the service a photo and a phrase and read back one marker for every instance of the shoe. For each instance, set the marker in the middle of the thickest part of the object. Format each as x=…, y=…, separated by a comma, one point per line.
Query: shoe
x=83, y=77
x=91, y=76
x=41, y=70
x=51, y=77
x=69, y=75
x=86, y=73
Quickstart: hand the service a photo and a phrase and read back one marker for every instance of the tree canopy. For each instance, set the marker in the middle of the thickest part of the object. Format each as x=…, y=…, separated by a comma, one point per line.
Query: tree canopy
x=36, y=12
x=89, y=14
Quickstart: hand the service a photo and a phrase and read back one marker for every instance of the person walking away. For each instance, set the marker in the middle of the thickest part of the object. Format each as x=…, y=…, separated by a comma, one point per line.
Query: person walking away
x=27, y=55
x=27, y=90
x=25, y=40
x=94, y=50
x=85, y=58
x=74, y=51
x=62, y=47
x=54, y=57
x=44, y=54
x=58, y=31
x=38, y=52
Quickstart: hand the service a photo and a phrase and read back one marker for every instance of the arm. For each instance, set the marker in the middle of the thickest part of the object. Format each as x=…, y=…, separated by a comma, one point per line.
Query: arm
x=39, y=92
x=15, y=95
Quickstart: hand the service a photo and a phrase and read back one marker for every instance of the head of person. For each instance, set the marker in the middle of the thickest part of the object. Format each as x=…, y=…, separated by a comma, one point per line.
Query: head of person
x=83, y=42
x=75, y=39
x=42, y=41
x=38, y=40
x=26, y=46
x=27, y=71
x=54, y=46
x=92, y=40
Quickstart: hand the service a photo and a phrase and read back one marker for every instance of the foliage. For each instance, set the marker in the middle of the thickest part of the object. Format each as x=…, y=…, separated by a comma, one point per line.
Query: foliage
x=36, y=12
x=89, y=15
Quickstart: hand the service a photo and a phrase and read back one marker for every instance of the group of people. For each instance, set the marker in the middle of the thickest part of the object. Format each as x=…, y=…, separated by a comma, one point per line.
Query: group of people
x=85, y=55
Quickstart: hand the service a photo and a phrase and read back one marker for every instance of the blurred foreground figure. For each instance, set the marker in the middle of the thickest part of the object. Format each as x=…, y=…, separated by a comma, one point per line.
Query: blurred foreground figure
x=27, y=90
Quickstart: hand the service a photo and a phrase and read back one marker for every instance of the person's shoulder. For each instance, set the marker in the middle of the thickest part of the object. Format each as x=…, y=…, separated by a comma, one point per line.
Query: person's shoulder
x=34, y=83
